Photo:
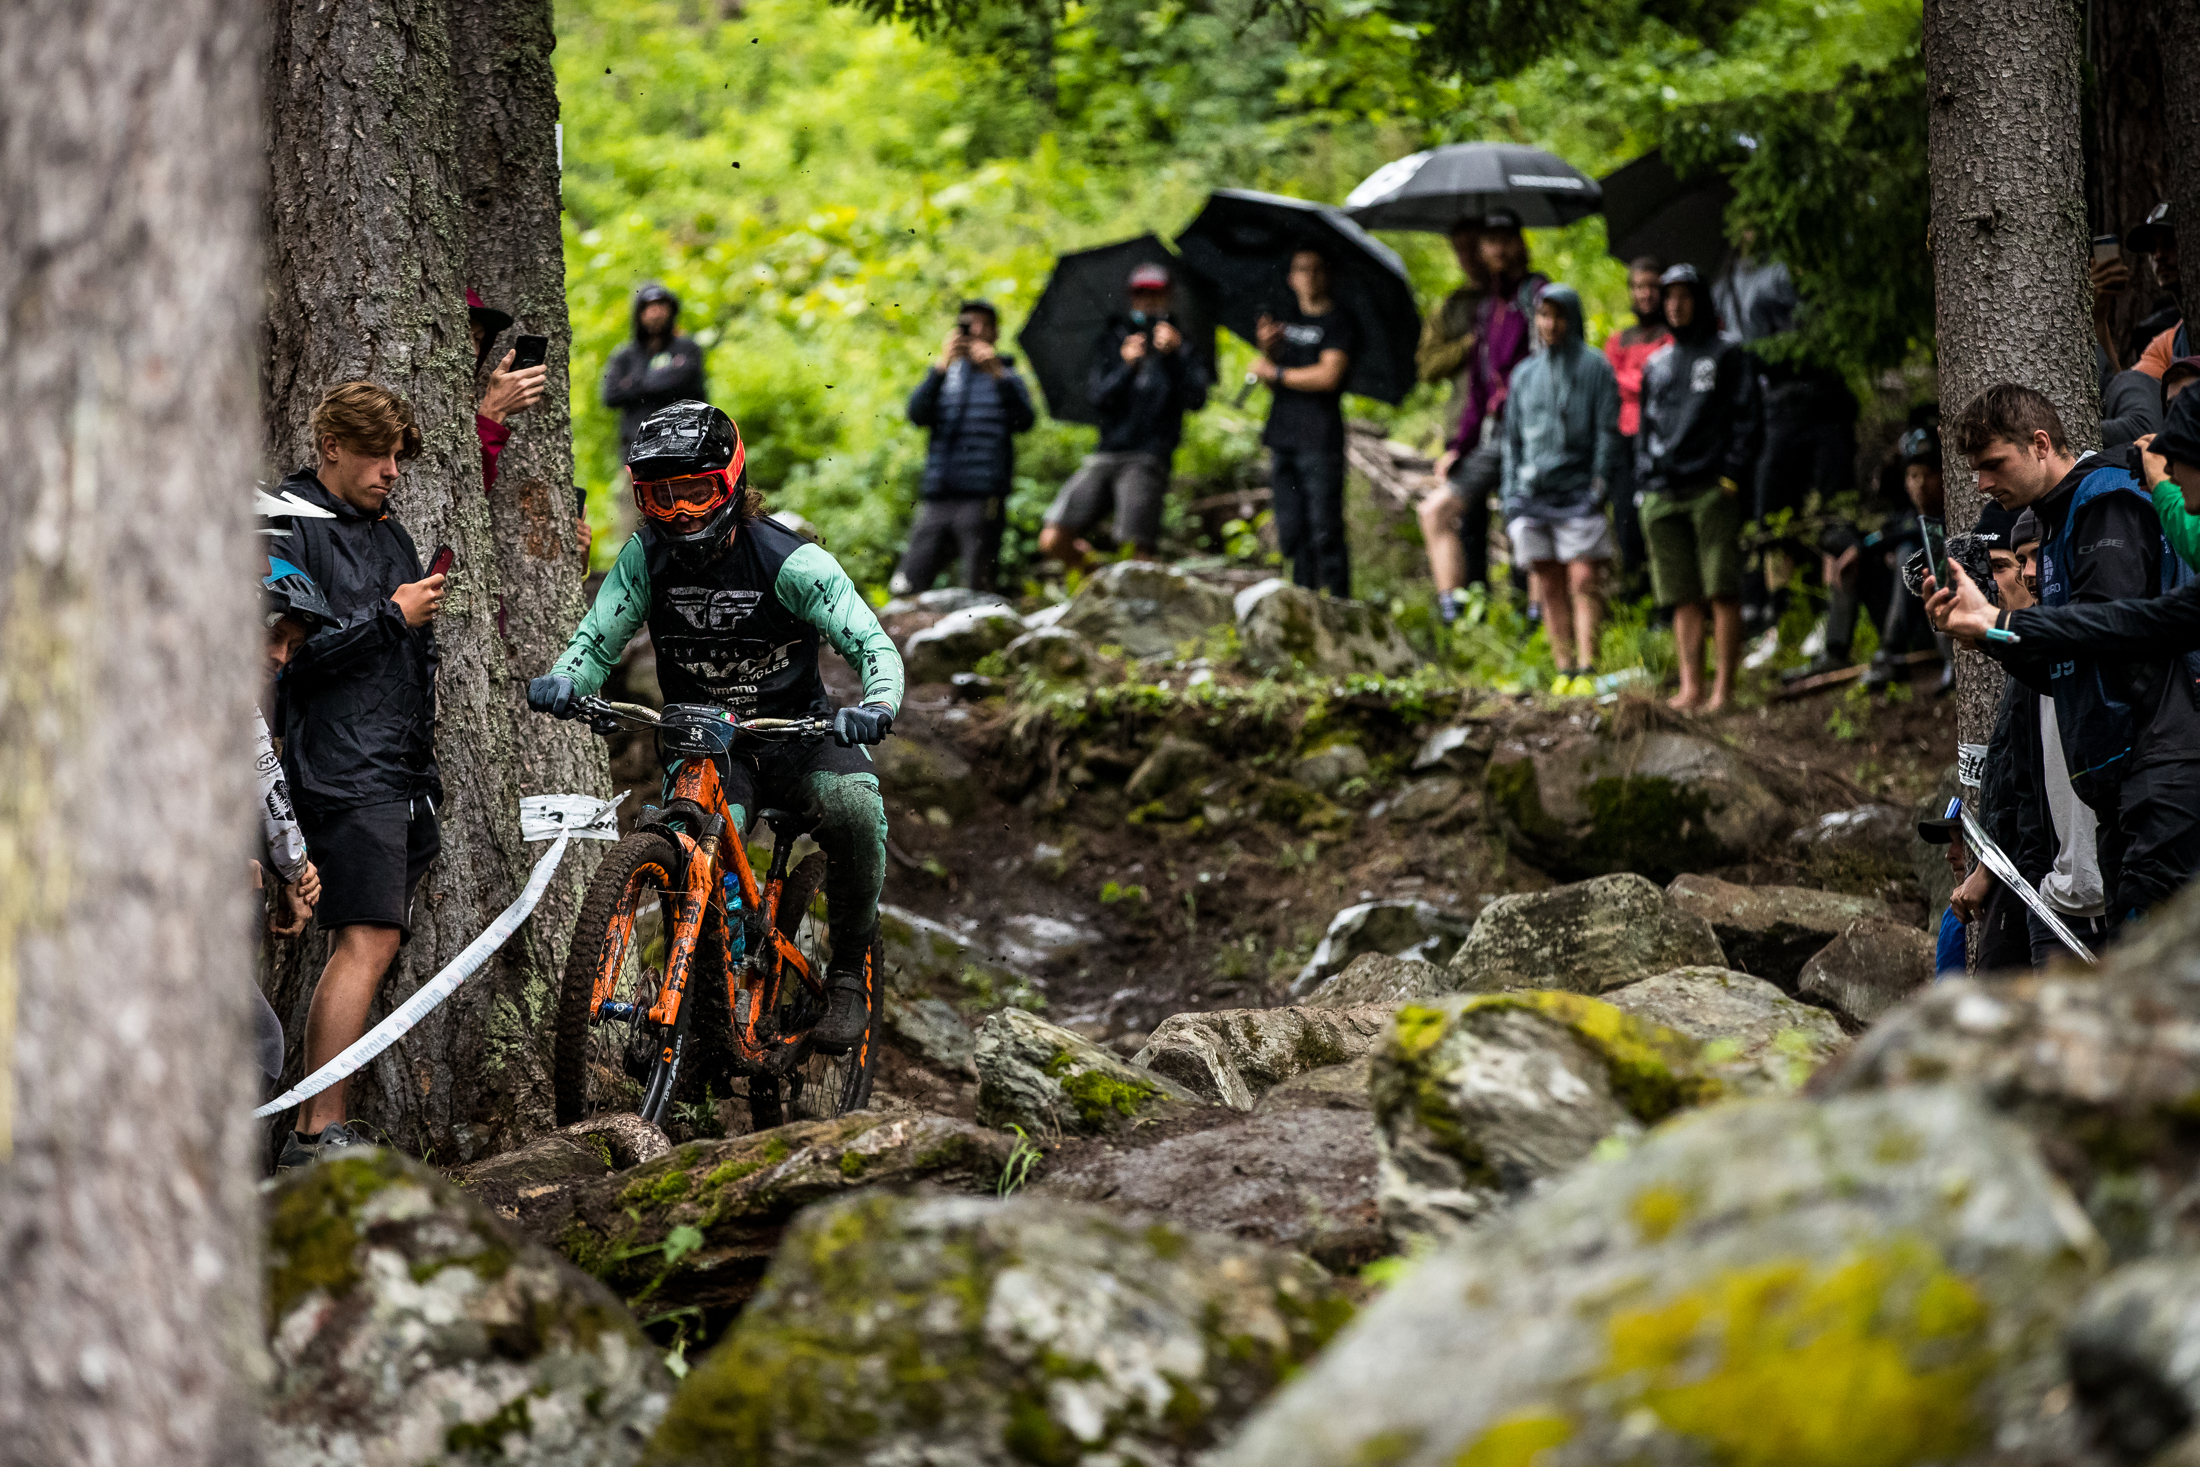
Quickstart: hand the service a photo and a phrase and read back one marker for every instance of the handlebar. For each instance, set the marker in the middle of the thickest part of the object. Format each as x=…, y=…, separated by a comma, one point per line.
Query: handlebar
x=600, y=711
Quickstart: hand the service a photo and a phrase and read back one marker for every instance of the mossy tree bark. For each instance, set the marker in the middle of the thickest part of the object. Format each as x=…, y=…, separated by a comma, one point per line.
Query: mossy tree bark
x=129, y=273
x=2008, y=237
x=369, y=251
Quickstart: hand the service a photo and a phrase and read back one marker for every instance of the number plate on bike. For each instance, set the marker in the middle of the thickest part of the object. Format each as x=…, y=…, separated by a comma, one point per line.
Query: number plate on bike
x=694, y=731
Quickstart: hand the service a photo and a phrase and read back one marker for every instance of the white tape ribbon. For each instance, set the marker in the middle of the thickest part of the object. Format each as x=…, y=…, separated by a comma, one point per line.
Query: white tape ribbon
x=2006, y=870
x=584, y=817
x=435, y=990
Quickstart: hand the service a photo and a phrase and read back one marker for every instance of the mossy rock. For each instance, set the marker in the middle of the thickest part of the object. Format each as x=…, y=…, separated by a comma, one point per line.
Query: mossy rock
x=1049, y=1081
x=1234, y=1056
x=992, y=1333
x=1767, y=1283
x=1479, y=1098
x=1588, y=937
x=696, y=1227
x=406, y=1325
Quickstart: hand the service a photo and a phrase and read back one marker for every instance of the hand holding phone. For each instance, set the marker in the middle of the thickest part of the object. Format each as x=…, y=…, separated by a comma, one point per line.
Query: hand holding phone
x=441, y=562
x=529, y=351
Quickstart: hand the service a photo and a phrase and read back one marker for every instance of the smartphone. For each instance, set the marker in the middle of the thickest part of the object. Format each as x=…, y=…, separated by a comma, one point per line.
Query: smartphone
x=1936, y=548
x=2107, y=248
x=441, y=564
x=529, y=351
x=580, y=501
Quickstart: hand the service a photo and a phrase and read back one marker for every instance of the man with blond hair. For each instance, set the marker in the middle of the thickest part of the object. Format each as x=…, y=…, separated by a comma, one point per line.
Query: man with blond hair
x=357, y=711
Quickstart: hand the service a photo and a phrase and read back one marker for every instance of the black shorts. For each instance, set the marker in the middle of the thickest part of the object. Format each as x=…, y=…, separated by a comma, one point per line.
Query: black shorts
x=371, y=859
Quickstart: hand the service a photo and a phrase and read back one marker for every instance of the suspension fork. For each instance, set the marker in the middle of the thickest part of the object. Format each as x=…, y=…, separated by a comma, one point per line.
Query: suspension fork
x=695, y=897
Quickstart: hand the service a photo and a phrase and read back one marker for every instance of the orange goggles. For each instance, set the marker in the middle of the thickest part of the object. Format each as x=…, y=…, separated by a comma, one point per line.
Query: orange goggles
x=690, y=496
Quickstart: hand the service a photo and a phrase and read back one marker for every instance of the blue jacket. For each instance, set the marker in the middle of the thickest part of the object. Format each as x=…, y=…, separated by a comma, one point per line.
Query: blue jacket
x=1561, y=426
x=974, y=418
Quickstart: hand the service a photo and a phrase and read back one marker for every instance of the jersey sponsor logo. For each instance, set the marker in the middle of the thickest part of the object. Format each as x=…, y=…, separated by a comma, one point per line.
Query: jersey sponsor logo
x=1304, y=335
x=2100, y=545
x=707, y=610
x=1703, y=375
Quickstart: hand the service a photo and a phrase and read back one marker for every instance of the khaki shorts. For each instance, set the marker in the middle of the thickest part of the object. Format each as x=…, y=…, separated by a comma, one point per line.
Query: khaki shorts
x=1695, y=544
x=1133, y=485
x=1587, y=537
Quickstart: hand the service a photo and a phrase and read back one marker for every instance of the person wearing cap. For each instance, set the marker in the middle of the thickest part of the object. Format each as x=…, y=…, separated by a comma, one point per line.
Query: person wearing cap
x=1143, y=382
x=509, y=392
x=1862, y=568
x=1304, y=356
x=1455, y=517
x=2159, y=337
x=655, y=368
x=1700, y=426
x=1903, y=626
x=974, y=403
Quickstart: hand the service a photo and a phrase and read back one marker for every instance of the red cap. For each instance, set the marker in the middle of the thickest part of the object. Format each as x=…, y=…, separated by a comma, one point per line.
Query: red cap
x=474, y=302
x=1150, y=276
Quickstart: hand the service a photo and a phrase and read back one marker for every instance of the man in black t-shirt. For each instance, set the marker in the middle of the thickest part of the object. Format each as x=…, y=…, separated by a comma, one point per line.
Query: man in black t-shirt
x=1304, y=357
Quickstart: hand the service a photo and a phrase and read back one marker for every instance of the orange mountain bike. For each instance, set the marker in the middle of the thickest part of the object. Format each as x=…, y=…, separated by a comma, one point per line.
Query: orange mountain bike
x=680, y=949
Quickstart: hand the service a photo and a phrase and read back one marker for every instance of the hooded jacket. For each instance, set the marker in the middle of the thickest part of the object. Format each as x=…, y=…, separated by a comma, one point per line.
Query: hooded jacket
x=358, y=699
x=1142, y=404
x=1561, y=428
x=1701, y=418
x=1504, y=333
x=641, y=378
x=974, y=417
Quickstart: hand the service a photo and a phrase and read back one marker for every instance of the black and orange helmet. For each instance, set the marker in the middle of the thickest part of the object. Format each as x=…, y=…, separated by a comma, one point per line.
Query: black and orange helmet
x=690, y=472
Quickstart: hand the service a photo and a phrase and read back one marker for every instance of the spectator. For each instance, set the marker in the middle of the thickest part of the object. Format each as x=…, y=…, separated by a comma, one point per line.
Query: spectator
x=2174, y=379
x=1700, y=426
x=2160, y=337
x=1562, y=448
x=1455, y=519
x=656, y=368
x=509, y=393
x=359, y=723
x=292, y=609
x=1903, y=626
x=1304, y=358
x=975, y=404
x=2131, y=407
x=1809, y=423
x=1143, y=382
x=1863, y=569
x=1627, y=349
x=1447, y=336
x=2129, y=730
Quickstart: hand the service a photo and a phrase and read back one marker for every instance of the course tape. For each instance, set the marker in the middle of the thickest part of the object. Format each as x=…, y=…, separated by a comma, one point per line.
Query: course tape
x=433, y=992
x=2006, y=870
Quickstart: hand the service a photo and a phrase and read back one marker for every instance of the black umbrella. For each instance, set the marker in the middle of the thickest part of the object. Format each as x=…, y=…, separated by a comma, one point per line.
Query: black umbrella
x=1086, y=291
x=1435, y=190
x=1243, y=242
x=1650, y=210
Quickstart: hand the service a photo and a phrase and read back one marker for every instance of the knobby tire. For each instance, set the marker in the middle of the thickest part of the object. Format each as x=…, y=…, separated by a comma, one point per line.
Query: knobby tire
x=626, y=881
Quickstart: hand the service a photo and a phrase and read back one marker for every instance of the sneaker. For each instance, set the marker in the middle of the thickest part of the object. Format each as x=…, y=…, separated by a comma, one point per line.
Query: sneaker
x=1880, y=674
x=847, y=1014
x=1447, y=607
x=1824, y=662
x=301, y=1150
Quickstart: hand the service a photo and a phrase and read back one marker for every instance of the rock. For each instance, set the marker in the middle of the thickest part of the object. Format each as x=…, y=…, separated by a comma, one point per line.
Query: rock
x=1330, y=765
x=527, y=1186
x=1380, y=978
x=1232, y=1056
x=1146, y=609
x=1300, y=1177
x=1868, y=969
x=998, y=1334
x=2134, y=1349
x=957, y=641
x=1332, y=1087
x=1480, y=1097
x=631, y=1139
x=1033, y=939
x=1750, y=1286
x=919, y=776
x=1283, y=627
x=1771, y=931
x=1174, y=764
x=935, y=1031
x=1756, y=1039
x=1047, y=1080
x=1462, y=748
x=1660, y=803
x=1400, y=929
x=921, y=954
x=1587, y=937
x=1048, y=651
x=1047, y=616
x=1860, y=847
x=406, y=1325
x=946, y=600
x=697, y=1226
x=1424, y=799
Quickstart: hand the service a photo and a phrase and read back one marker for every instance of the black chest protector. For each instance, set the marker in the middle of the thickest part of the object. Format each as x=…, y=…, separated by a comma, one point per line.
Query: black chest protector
x=722, y=635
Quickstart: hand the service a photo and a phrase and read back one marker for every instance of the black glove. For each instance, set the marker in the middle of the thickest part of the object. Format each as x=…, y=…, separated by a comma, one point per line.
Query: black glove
x=551, y=694
x=865, y=725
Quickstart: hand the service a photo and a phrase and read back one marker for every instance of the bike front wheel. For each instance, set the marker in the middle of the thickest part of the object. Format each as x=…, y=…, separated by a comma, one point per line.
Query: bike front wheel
x=614, y=1059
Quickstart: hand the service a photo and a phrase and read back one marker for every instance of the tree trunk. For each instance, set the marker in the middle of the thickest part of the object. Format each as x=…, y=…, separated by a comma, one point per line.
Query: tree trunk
x=2180, y=117
x=129, y=263
x=2127, y=168
x=367, y=254
x=508, y=172
x=2008, y=237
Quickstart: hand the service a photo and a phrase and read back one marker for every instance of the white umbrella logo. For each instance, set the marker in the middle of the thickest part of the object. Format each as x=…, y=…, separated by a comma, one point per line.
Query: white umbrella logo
x=1392, y=175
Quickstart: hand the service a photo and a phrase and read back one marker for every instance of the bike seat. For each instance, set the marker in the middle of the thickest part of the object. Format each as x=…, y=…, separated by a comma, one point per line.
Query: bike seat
x=787, y=824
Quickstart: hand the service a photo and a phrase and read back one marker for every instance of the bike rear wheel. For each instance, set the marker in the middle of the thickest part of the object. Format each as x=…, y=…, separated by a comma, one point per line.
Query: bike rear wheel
x=822, y=1085
x=603, y=1064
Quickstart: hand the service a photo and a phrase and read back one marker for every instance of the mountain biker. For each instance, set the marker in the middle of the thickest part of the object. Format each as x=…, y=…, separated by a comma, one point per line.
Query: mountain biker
x=736, y=605
x=293, y=609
